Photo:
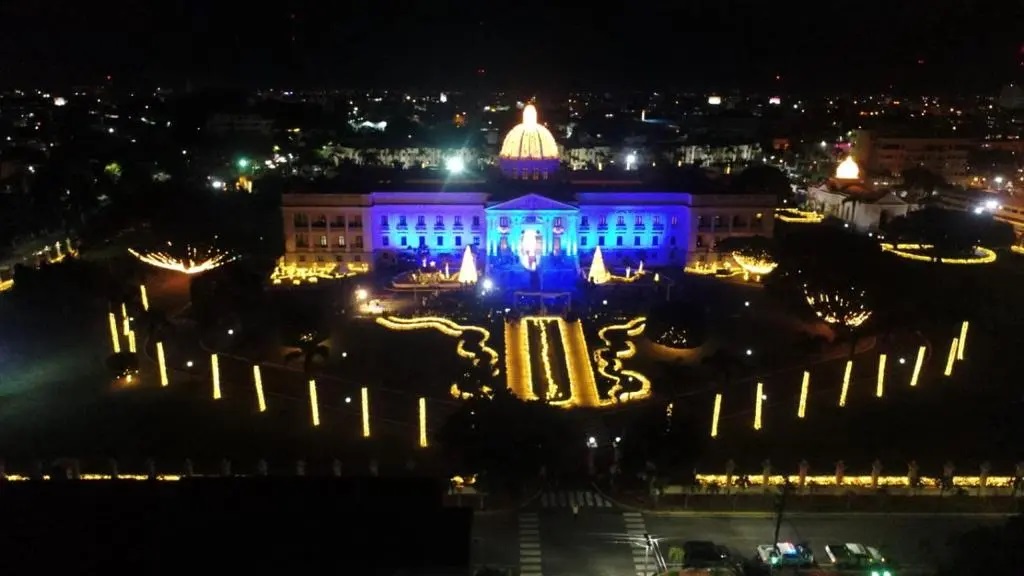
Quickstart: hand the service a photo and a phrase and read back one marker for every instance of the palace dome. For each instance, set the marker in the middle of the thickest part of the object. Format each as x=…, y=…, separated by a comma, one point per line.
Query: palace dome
x=848, y=169
x=529, y=150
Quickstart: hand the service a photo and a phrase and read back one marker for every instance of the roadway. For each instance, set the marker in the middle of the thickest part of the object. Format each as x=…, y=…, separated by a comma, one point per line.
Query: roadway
x=545, y=538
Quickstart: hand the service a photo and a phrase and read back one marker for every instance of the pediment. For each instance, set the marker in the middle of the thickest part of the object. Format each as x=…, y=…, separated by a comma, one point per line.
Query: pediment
x=532, y=203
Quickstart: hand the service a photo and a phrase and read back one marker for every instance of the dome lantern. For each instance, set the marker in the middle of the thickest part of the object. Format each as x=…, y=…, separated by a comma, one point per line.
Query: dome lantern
x=529, y=151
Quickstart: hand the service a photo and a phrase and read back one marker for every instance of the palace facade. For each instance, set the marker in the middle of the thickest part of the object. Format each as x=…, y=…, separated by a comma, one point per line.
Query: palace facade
x=528, y=216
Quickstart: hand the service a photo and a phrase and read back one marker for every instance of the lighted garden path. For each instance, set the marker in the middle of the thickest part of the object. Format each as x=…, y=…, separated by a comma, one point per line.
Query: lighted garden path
x=517, y=360
x=582, y=384
x=577, y=358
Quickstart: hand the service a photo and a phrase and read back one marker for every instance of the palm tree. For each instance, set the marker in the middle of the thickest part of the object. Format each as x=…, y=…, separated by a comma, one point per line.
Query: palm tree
x=308, y=348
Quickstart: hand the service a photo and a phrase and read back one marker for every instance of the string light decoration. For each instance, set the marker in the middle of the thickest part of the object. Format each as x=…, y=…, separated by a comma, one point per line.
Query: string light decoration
x=915, y=252
x=793, y=216
x=517, y=365
x=758, y=405
x=715, y=414
x=257, y=382
x=423, y=422
x=313, y=273
x=161, y=363
x=951, y=358
x=756, y=265
x=314, y=405
x=448, y=328
x=598, y=273
x=115, y=336
x=880, y=382
x=846, y=383
x=961, y=342
x=918, y=363
x=194, y=261
x=613, y=369
x=841, y=308
x=805, y=386
x=215, y=371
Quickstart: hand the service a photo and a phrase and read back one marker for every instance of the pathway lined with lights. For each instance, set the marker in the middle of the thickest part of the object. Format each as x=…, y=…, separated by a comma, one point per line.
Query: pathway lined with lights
x=577, y=358
x=517, y=360
x=449, y=328
x=613, y=369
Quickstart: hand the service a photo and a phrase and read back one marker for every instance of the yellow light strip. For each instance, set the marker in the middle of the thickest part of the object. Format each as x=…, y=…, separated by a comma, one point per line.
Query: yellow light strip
x=911, y=252
x=918, y=363
x=633, y=328
x=161, y=364
x=215, y=369
x=144, y=296
x=758, y=405
x=962, y=341
x=125, y=322
x=517, y=368
x=115, y=340
x=551, y=392
x=857, y=481
x=846, y=383
x=805, y=386
x=257, y=382
x=951, y=358
x=314, y=404
x=190, y=265
x=880, y=383
x=715, y=414
x=577, y=357
x=423, y=422
x=798, y=216
x=448, y=328
x=364, y=402
x=131, y=342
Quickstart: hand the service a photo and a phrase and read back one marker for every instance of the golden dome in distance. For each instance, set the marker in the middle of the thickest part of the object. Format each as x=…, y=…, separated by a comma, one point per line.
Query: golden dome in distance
x=529, y=140
x=848, y=169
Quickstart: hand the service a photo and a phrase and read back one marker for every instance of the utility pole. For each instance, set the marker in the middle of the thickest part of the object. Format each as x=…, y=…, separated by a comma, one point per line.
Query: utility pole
x=780, y=507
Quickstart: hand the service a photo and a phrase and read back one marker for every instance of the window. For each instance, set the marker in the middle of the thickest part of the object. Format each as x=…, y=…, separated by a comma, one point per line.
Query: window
x=403, y=241
x=357, y=258
x=322, y=221
x=602, y=221
x=476, y=221
x=385, y=242
x=440, y=241
x=716, y=221
x=341, y=240
x=401, y=220
x=323, y=240
x=339, y=258
x=672, y=241
x=636, y=240
x=600, y=240
x=359, y=242
x=337, y=222
x=656, y=220
x=620, y=220
x=503, y=221
x=458, y=240
x=618, y=240
x=583, y=241
x=700, y=241
x=558, y=221
x=476, y=240
x=423, y=241
x=655, y=241
x=355, y=221
x=674, y=220
x=301, y=220
x=639, y=220
x=301, y=240
x=421, y=220
x=384, y=220
x=700, y=222
x=584, y=221
x=302, y=258
x=439, y=221
x=320, y=258
x=758, y=220
x=458, y=220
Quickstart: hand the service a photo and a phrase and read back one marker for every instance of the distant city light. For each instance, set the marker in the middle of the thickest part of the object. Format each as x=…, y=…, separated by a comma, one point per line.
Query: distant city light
x=775, y=100
x=455, y=165
x=714, y=100
x=58, y=101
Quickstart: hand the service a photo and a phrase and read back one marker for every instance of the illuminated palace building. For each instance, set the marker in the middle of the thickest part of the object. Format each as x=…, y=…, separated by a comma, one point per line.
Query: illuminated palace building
x=529, y=216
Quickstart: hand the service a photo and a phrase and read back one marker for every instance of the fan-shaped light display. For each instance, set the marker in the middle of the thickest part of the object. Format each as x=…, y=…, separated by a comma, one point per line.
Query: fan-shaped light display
x=194, y=261
x=838, y=308
x=760, y=265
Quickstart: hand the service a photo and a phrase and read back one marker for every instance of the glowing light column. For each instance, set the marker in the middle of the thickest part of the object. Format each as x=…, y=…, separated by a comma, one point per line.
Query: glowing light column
x=215, y=370
x=962, y=341
x=144, y=297
x=758, y=401
x=952, y=357
x=364, y=397
x=125, y=323
x=423, y=422
x=880, y=383
x=805, y=386
x=161, y=364
x=314, y=405
x=115, y=340
x=131, y=342
x=846, y=383
x=917, y=366
x=714, y=415
x=257, y=382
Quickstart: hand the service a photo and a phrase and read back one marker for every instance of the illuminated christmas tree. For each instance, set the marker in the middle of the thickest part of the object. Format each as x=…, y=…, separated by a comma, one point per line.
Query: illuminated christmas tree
x=467, y=272
x=598, y=273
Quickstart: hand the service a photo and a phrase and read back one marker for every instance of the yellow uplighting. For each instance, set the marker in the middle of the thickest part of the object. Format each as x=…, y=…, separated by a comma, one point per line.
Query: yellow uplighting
x=161, y=364
x=918, y=363
x=866, y=481
x=962, y=341
x=314, y=404
x=195, y=261
x=805, y=386
x=598, y=274
x=423, y=422
x=607, y=368
x=144, y=297
x=846, y=383
x=257, y=382
x=718, y=269
x=835, y=308
x=952, y=357
x=467, y=272
x=715, y=414
x=126, y=323
x=880, y=382
x=448, y=328
x=215, y=371
x=131, y=342
x=313, y=273
x=115, y=340
x=758, y=405
x=848, y=169
x=529, y=140
x=758, y=266
x=794, y=216
x=982, y=255
x=364, y=403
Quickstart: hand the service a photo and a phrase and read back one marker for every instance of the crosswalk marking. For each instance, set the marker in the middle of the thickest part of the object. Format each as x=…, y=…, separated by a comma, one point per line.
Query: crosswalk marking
x=636, y=527
x=568, y=498
x=529, y=545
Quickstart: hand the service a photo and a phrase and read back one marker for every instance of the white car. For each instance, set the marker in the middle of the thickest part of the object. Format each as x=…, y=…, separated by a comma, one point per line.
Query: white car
x=858, y=556
x=785, y=554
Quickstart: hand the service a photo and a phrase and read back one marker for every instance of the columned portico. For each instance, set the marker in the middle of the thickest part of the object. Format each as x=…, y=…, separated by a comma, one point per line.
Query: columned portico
x=532, y=231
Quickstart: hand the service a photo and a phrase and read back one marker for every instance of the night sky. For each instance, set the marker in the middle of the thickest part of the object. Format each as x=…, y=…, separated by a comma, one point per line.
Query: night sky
x=942, y=45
